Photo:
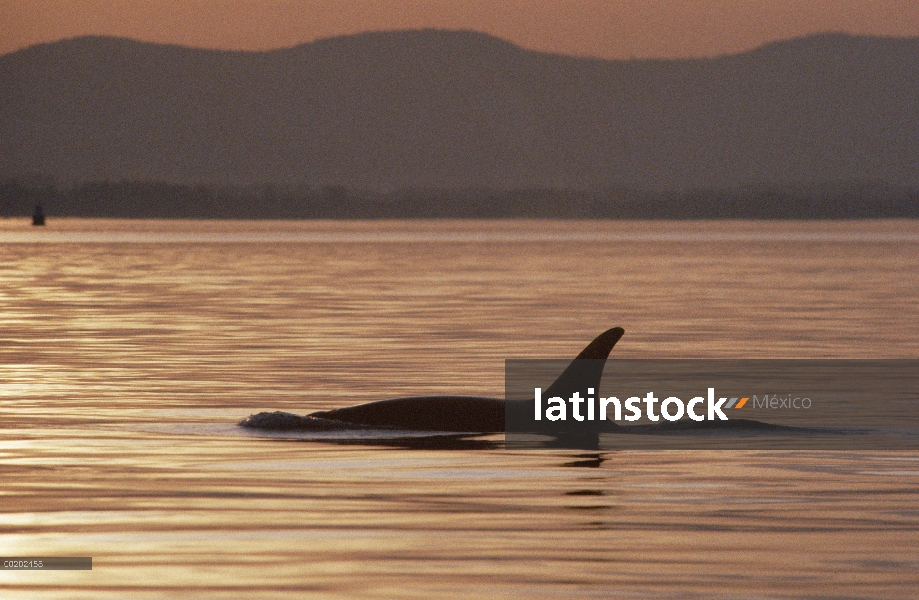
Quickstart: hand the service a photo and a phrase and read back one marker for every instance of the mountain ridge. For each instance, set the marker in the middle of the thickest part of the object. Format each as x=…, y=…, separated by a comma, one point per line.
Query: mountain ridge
x=826, y=37
x=447, y=109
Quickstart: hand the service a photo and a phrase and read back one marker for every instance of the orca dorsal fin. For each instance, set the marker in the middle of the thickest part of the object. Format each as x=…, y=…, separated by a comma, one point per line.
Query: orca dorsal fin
x=586, y=370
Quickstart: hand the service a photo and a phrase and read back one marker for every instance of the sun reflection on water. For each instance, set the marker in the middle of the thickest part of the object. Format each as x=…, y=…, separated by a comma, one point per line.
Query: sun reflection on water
x=127, y=361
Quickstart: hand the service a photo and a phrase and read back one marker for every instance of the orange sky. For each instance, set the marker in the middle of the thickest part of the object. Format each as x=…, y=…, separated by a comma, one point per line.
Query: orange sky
x=606, y=28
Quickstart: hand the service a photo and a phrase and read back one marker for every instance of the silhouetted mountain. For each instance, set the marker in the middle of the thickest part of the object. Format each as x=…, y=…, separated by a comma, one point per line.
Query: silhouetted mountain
x=456, y=109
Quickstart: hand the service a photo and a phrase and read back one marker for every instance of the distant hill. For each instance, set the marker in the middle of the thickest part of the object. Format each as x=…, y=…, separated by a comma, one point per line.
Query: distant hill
x=456, y=109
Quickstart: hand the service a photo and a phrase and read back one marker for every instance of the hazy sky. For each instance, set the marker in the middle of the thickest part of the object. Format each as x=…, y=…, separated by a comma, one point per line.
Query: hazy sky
x=607, y=28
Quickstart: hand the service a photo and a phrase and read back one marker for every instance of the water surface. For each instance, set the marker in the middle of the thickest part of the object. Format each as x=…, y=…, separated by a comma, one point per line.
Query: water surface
x=131, y=349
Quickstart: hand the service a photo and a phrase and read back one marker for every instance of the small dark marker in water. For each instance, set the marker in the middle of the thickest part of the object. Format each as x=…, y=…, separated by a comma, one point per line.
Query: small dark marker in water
x=38, y=217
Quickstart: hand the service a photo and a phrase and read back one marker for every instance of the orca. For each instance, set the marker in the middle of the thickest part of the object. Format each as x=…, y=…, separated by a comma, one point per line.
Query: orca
x=468, y=414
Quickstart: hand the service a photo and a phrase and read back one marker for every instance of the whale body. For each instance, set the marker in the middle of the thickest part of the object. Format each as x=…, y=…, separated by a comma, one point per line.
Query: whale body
x=440, y=413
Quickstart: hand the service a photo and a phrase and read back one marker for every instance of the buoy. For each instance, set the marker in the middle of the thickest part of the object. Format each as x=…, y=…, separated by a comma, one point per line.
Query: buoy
x=38, y=217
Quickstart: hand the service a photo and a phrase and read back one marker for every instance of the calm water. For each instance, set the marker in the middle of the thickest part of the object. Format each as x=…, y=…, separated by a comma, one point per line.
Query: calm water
x=130, y=349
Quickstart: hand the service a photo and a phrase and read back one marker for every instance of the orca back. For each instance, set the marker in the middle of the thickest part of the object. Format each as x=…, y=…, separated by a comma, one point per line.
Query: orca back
x=473, y=413
x=426, y=413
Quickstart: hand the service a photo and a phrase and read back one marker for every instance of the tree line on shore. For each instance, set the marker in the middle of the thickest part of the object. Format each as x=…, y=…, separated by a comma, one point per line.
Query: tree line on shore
x=138, y=199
